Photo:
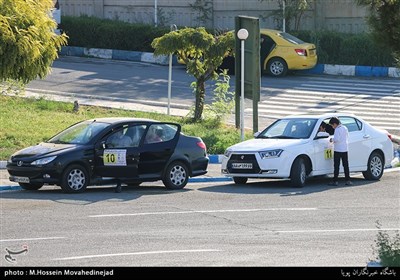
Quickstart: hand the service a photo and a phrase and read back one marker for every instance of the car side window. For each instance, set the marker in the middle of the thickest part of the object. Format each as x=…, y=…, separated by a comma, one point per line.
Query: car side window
x=136, y=133
x=160, y=133
x=352, y=124
x=119, y=139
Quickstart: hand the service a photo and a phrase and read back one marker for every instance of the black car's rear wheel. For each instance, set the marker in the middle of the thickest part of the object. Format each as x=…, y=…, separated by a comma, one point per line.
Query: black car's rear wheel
x=31, y=186
x=176, y=175
x=74, y=179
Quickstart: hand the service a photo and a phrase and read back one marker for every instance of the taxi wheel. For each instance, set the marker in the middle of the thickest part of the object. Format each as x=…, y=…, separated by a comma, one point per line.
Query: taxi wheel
x=74, y=179
x=240, y=180
x=298, y=174
x=176, y=176
x=277, y=67
x=31, y=186
x=375, y=167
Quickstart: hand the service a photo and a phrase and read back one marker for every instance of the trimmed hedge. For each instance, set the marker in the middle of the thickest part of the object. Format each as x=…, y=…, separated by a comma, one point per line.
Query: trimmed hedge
x=332, y=47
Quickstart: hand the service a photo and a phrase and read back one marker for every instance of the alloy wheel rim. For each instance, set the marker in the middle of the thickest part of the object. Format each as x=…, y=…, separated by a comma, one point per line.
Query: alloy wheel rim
x=178, y=175
x=376, y=166
x=76, y=179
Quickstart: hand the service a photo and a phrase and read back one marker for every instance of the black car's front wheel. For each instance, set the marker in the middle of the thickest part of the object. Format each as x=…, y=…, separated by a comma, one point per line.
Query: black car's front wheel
x=176, y=175
x=31, y=186
x=75, y=179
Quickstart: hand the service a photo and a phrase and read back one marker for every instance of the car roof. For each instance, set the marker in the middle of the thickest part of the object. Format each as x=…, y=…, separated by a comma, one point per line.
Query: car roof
x=323, y=115
x=116, y=120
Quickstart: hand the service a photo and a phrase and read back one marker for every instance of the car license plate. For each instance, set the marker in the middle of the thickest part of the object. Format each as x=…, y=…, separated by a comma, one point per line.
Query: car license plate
x=242, y=165
x=20, y=179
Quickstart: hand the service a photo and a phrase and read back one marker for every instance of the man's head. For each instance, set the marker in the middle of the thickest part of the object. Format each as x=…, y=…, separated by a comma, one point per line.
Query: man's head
x=322, y=127
x=334, y=122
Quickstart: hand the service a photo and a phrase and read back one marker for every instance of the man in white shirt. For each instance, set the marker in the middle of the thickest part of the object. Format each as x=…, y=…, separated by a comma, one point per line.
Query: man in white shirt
x=340, y=149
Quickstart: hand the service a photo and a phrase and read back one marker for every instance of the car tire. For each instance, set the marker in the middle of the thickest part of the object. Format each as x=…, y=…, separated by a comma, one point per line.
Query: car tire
x=277, y=67
x=375, y=167
x=298, y=174
x=176, y=175
x=240, y=180
x=75, y=179
x=31, y=186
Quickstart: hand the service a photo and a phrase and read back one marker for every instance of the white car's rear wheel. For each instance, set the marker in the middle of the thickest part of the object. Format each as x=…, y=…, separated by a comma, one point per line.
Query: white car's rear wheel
x=375, y=167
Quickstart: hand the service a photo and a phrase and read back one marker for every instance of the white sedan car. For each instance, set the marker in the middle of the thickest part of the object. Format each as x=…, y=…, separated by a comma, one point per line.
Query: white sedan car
x=293, y=147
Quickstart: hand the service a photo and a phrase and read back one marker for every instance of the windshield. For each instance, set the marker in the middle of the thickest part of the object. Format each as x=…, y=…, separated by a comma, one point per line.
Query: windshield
x=289, y=129
x=80, y=133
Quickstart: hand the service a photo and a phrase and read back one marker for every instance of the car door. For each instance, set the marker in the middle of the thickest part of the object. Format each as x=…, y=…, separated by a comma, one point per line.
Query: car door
x=155, y=152
x=323, y=154
x=359, y=142
x=119, y=160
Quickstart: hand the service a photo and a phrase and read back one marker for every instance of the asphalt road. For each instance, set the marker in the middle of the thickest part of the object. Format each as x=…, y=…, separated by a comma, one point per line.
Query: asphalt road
x=264, y=223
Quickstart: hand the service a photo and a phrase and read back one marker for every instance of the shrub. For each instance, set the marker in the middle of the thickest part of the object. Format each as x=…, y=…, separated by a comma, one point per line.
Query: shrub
x=387, y=248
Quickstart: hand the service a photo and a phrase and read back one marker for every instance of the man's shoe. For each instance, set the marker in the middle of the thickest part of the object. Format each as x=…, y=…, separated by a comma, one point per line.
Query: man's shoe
x=335, y=183
x=348, y=183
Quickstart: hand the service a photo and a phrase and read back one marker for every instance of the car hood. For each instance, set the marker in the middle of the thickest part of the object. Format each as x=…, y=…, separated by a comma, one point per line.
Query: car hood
x=256, y=145
x=43, y=149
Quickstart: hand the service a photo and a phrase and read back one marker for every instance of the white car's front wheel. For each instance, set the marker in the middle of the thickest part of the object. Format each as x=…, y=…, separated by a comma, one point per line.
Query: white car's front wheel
x=298, y=174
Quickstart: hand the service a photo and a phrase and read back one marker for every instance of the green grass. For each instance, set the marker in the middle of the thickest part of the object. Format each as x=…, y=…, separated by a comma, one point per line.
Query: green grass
x=28, y=121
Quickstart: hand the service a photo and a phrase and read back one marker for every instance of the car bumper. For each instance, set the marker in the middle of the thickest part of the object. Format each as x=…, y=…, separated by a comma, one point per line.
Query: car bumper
x=266, y=168
x=33, y=174
x=199, y=166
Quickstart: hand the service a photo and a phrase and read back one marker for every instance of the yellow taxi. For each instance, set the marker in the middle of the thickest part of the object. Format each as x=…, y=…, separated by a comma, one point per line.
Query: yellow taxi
x=280, y=52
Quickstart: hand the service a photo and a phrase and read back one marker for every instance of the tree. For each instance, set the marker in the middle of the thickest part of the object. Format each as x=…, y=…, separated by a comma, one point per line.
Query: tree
x=202, y=53
x=384, y=20
x=28, y=42
x=293, y=12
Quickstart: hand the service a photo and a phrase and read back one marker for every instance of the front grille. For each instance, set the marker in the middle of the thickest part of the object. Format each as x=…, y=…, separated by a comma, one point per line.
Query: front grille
x=243, y=158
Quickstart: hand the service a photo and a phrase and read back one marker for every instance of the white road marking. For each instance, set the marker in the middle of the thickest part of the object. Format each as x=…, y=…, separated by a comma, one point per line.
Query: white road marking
x=336, y=230
x=202, y=211
x=136, y=253
x=31, y=239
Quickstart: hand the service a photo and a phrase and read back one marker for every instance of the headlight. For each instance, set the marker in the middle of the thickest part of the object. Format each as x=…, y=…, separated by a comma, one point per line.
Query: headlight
x=43, y=161
x=270, y=154
x=228, y=153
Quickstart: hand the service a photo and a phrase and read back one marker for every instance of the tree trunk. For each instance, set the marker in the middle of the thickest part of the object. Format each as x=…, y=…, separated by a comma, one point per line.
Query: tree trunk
x=200, y=94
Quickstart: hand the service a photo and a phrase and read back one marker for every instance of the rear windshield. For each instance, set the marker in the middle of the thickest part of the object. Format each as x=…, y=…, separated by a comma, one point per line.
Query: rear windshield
x=291, y=38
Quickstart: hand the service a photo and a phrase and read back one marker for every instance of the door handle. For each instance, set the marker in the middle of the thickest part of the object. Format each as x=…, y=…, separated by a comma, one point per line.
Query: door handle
x=366, y=136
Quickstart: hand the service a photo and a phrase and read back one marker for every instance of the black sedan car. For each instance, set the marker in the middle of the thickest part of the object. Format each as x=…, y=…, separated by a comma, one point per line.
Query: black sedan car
x=128, y=149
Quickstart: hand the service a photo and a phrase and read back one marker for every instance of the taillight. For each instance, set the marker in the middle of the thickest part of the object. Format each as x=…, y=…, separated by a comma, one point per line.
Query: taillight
x=201, y=145
x=390, y=136
x=301, y=52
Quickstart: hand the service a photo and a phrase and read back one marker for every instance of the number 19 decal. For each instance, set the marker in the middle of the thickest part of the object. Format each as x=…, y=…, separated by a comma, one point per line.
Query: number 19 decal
x=114, y=157
x=328, y=153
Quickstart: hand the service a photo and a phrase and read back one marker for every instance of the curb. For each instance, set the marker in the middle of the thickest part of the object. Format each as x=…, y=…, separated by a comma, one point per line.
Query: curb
x=328, y=69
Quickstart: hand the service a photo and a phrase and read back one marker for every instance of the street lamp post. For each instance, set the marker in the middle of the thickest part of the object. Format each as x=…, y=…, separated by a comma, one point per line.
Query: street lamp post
x=242, y=35
x=173, y=28
x=155, y=13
